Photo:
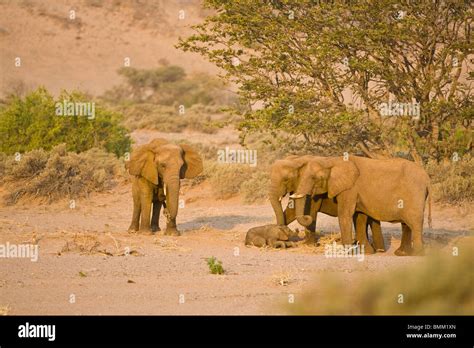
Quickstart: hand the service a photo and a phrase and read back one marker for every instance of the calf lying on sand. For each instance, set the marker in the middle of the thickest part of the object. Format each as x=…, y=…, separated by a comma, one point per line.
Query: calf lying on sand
x=274, y=236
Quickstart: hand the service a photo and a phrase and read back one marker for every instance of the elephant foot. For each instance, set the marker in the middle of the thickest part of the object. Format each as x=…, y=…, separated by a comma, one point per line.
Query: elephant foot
x=310, y=238
x=133, y=229
x=368, y=249
x=172, y=231
x=155, y=228
x=402, y=252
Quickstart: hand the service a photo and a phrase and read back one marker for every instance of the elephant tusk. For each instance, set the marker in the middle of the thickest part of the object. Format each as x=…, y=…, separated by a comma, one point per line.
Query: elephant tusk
x=279, y=199
x=295, y=196
x=164, y=189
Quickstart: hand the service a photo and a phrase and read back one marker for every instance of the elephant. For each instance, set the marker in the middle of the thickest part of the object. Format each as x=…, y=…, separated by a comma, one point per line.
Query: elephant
x=157, y=168
x=285, y=178
x=274, y=236
x=393, y=190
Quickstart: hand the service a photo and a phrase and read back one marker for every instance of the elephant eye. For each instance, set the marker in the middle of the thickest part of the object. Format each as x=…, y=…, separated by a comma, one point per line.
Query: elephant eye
x=162, y=165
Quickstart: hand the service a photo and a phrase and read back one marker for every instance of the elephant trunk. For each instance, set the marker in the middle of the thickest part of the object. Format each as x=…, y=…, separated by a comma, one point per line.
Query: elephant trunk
x=275, y=201
x=304, y=220
x=172, y=196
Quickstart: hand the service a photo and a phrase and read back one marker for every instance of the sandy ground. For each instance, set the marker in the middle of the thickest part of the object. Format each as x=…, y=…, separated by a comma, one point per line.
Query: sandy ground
x=85, y=253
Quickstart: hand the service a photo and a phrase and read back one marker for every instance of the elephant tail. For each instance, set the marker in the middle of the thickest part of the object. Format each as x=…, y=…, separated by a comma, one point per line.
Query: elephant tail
x=429, y=207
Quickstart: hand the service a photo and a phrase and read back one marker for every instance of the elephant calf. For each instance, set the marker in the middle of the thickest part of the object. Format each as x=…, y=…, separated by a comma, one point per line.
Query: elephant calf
x=274, y=236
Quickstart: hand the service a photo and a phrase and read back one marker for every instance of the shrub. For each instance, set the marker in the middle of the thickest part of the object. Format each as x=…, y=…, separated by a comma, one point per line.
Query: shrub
x=58, y=174
x=167, y=119
x=226, y=179
x=169, y=85
x=256, y=187
x=452, y=181
x=215, y=266
x=31, y=123
x=440, y=285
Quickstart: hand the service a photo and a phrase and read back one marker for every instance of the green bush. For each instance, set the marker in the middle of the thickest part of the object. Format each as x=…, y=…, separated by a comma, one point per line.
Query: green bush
x=57, y=174
x=31, y=123
x=215, y=266
x=452, y=181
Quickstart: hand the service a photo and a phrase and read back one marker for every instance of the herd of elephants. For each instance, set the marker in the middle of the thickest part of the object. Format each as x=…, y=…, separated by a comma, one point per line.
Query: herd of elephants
x=359, y=191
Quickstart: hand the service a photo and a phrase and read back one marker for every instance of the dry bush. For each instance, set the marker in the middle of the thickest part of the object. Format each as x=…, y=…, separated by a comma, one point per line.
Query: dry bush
x=4, y=310
x=167, y=118
x=440, y=285
x=229, y=179
x=58, y=174
x=452, y=181
x=97, y=243
x=226, y=179
x=83, y=243
x=255, y=188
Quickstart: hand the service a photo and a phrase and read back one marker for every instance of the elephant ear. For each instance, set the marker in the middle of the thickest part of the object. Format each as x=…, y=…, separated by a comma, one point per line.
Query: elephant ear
x=192, y=166
x=342, y=177
x=142, y=164
x=282, y=233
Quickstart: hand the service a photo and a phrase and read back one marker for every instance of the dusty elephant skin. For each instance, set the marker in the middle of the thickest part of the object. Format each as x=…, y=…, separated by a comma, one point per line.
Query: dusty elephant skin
x=157, y=168
x=274, y=236
x=285, y=177
x=392, y=190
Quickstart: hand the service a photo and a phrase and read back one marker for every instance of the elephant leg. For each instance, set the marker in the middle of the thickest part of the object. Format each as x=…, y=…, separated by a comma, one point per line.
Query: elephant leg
x=289, y=214
x=345, y=211
x=258, y=242
x=171, y=229
x=360, y=223
x=405, y=244
x=135, y=224
x=155, y=217
x=377, y=235
x=277, y=244
x=417, y=238
x=146, y=197
x=310, y=231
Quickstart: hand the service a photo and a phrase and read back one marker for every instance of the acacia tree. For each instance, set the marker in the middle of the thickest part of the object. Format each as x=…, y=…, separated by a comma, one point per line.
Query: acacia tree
x=318, y=71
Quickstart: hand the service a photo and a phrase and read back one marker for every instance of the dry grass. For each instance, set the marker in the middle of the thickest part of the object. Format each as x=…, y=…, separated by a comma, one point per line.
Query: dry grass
x=91, y=244
x=168, y=119
x=282, y=278
x=4, y=310
x=441, y=284
x=169, y=245
x=452, y=181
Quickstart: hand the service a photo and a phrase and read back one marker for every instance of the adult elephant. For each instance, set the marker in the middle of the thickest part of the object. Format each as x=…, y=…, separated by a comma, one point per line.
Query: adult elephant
x=284, y=179
x=157, y=168
x=393, y=190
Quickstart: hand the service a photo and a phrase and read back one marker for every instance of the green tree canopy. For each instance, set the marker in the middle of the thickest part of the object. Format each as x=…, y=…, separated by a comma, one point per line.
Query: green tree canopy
x=320, y=72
